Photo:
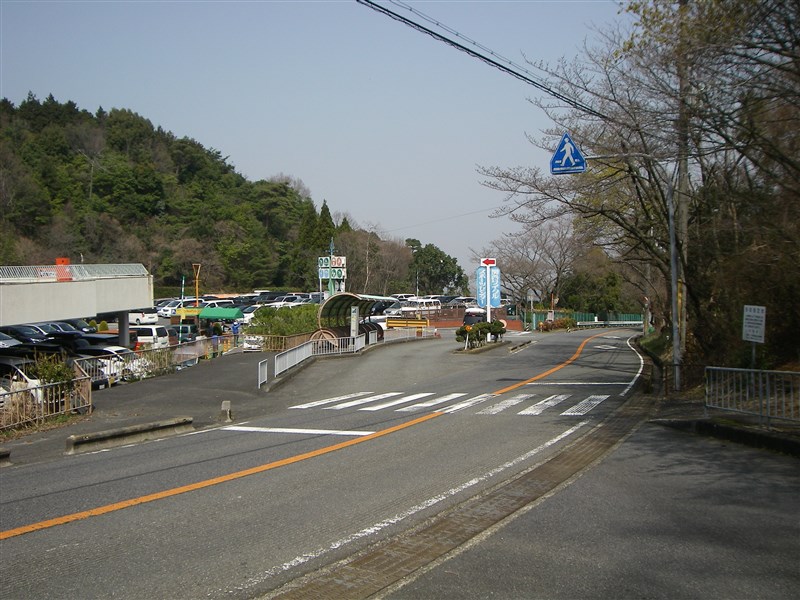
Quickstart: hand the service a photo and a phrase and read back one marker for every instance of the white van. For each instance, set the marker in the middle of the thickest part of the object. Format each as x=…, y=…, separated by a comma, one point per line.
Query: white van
x=156, y=336
x=147, y=316
x=421, y=306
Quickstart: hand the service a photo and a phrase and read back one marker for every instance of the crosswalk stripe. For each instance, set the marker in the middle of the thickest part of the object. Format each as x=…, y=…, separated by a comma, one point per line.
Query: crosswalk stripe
x=507, y=403
x=331, y=400
x=542, y=406
x=402, y=400
x=468, y=403
x=434, y=402
x=361, y=401
x=396, y=399
x=583, y=407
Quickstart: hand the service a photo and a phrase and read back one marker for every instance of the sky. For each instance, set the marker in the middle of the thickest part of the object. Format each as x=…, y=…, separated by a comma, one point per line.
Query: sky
x=385, y=124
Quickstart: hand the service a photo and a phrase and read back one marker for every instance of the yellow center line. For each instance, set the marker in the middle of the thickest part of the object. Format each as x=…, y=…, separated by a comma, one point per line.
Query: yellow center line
x=570, y=360
x=108, y=508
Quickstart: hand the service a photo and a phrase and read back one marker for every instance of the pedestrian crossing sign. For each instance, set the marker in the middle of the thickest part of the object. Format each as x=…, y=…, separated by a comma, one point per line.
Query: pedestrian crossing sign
x=567, y=158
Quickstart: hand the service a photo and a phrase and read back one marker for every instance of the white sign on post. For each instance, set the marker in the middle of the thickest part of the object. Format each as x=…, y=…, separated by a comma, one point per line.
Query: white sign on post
x=754, y=323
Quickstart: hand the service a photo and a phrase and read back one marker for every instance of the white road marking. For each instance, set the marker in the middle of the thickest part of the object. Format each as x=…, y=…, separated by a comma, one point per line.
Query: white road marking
x=507, y=403
x=296, y=431
x=571, y=383
x=331, y=400
x=402, y=400
x=542, y=406
x=361, y=401
x=434, y=402
x=373, y=530
x=469, y=402
x=583, y=407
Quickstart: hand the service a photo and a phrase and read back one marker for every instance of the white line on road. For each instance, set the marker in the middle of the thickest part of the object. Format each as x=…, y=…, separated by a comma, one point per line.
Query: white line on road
x=584, y=406
x=331, y=400
x=378, y=527
x=434, y=402
x=363, y=401
x=300, y=431
x=402, y=400
x=507, y=403
x=542, y=406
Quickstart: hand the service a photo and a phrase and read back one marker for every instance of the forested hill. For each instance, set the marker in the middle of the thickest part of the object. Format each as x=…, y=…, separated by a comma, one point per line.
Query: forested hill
x=109, y=187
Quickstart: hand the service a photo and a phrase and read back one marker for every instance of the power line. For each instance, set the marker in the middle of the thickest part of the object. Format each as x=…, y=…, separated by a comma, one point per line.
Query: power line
x=447, y=218
x=495, y=60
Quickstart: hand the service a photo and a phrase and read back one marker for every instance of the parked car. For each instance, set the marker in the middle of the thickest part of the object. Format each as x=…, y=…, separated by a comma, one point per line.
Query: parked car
x=285, y=302
x=223, y=303
x=154, y=335
x=146, y=316
x=419, y=306
x=186, y=332
x=121, y=363
x=25, y=333
x=81, y=325
x=462, y=302
x=13, y=376
x=248, y=313
x=474, y=315
x=168, y=310
x=6, y=341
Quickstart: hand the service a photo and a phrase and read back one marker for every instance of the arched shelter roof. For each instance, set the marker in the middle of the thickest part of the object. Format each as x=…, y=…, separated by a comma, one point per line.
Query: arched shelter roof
x=335, y=311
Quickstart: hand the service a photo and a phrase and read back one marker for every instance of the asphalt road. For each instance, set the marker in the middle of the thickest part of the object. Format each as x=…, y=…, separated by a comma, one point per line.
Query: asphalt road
x=249, y=535
x=667, y=515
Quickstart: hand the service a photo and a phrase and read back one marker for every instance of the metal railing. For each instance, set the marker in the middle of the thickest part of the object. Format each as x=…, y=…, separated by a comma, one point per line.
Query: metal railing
x=77, y=272
x=24, y=405
x=765, y=394
x=284, y=361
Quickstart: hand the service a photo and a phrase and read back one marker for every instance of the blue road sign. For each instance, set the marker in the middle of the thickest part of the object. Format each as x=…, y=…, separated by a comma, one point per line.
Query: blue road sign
x=567, y=158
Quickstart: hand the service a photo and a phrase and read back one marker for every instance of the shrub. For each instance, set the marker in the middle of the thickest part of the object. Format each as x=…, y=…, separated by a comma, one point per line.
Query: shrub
x=477, y=334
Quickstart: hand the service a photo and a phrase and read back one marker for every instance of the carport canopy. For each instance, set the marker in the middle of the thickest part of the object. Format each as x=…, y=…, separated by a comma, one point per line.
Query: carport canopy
x=335, y=311
x=214, y=313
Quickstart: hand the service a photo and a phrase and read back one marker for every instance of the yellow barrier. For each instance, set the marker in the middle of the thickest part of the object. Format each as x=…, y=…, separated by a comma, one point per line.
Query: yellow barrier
x=400, y=323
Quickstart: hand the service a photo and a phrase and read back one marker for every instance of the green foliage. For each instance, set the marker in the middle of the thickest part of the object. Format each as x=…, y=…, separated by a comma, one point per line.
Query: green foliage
x=433, y=271
x=477, y=334
x=285, y=321
x=113, y=188
x=49, y=368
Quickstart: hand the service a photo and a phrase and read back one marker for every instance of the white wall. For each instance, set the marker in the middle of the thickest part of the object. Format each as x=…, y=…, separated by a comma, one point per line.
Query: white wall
x=54, y=300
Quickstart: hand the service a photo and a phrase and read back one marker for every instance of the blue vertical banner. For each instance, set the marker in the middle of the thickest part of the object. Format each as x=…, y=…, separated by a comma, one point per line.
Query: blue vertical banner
x=494, y=287
x=481, y=287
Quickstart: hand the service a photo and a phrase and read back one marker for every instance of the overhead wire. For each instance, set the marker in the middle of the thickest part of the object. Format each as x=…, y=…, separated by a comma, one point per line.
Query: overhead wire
x=495, y=60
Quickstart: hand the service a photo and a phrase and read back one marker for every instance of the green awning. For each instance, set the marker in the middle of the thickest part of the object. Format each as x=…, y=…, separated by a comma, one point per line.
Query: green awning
x=220, y=314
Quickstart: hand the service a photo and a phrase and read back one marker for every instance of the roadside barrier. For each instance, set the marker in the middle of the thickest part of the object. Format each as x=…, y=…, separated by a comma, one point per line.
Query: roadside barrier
x=764, y=394
x=23, y=405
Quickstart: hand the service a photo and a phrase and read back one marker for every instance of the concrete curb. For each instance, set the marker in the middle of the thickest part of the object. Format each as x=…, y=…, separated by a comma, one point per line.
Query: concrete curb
x=740, y=435
x=127, y=435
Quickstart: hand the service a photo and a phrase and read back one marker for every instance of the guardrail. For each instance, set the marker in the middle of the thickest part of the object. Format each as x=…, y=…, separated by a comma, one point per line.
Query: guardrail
x=637, y=324
x=765, y=394
x=284, y=361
